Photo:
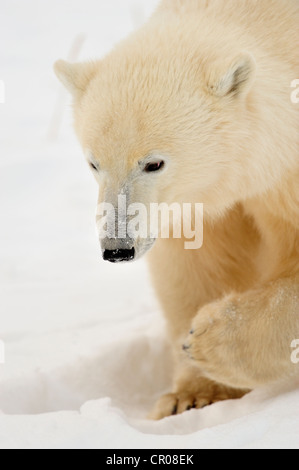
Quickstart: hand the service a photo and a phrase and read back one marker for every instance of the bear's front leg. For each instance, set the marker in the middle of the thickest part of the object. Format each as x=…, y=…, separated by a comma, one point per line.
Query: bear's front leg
x=245, y=340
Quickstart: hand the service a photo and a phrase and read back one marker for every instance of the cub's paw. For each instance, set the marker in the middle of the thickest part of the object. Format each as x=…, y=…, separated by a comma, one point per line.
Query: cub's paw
x=216, y=342
x=177, y=403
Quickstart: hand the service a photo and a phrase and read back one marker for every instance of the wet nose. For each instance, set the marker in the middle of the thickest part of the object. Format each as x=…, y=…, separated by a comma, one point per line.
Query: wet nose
x=118, y=256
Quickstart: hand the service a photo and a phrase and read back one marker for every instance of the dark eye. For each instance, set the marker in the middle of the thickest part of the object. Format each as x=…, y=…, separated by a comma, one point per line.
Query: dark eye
x=152, y=167
x=92, y=166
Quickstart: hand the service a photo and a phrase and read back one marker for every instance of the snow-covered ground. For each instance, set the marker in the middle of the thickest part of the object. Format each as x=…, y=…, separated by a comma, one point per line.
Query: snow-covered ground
x=85, y=352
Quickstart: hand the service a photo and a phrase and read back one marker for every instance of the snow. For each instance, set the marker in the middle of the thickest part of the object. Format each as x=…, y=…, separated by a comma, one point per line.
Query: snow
x=85, y=348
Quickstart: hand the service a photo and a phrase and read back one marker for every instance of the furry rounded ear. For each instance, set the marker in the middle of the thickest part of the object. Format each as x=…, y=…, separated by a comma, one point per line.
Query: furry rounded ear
x=233, y=79
x=75, y=77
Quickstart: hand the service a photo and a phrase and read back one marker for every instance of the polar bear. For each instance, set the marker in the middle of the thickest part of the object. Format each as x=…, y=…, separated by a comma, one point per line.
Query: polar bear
x=196, y=107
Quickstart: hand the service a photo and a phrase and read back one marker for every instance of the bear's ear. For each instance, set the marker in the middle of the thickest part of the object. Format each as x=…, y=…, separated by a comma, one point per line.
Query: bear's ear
x=75, y=77
x=233, y=79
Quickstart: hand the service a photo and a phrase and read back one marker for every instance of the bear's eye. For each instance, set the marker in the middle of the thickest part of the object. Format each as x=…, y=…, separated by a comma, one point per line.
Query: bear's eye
x=92, y=166
x=152, y=167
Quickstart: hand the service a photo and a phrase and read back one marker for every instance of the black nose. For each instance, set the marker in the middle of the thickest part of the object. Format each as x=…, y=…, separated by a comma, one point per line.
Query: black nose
x=117, y=256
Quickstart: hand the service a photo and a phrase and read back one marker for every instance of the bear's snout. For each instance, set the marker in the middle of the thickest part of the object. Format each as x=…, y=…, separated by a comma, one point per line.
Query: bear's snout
x=119, y=256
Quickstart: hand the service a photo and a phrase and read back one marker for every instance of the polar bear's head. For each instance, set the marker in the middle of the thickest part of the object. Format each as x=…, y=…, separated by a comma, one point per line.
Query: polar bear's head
x=160, y=129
